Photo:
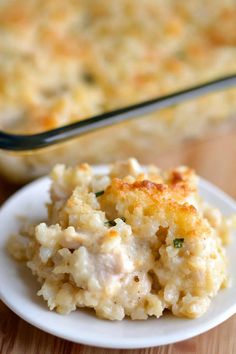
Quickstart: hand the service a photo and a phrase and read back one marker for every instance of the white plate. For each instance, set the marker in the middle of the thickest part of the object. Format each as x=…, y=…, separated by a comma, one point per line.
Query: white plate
x=18, y=287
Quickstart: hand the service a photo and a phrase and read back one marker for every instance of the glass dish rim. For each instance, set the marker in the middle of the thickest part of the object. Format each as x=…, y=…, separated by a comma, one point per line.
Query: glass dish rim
x=29, y=142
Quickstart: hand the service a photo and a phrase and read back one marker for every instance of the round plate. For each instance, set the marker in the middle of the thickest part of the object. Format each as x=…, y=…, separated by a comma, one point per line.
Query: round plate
x=18, y=287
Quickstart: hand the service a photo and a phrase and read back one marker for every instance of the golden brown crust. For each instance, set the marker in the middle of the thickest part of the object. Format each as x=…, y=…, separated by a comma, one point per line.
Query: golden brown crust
x=177, y=184
x=164, y=201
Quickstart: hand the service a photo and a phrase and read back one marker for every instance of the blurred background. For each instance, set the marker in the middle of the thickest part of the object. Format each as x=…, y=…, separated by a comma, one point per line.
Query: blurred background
x=65, y=60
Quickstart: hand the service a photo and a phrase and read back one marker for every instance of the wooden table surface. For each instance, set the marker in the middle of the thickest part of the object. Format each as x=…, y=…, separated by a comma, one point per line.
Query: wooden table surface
x=214, y=159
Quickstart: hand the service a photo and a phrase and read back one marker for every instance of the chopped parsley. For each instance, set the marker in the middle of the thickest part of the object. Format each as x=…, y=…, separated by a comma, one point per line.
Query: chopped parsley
x=110, y=223
x=180, y=55
x=178, y=242
x=113, y=223
x=88, y=78
x=98, y=194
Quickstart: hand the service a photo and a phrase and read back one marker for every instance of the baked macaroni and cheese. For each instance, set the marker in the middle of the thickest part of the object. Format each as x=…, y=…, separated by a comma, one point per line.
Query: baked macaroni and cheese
x=66, y=60
x=127, y=243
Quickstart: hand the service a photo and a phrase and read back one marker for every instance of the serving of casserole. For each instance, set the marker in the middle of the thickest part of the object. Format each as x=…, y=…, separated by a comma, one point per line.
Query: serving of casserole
x=126, y=243
x=64, y=61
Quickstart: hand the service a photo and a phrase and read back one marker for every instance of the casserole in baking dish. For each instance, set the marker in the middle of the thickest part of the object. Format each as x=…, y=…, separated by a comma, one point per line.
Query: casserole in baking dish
x=64, y=61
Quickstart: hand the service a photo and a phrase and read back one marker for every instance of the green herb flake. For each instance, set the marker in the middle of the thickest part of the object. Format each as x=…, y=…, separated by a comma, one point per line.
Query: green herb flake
x=178, y=242
x=88, y=78
x=113, y=223
x=180, y=55
x=98, y=194
x=110, y=223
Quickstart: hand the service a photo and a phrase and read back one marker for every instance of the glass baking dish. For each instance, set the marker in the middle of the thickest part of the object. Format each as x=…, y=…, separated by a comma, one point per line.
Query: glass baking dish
x=147, y=138
x=63, y=61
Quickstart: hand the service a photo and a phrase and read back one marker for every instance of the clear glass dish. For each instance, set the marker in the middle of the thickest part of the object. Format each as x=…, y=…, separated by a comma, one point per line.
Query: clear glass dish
x=148, y=139
x=61, y=63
